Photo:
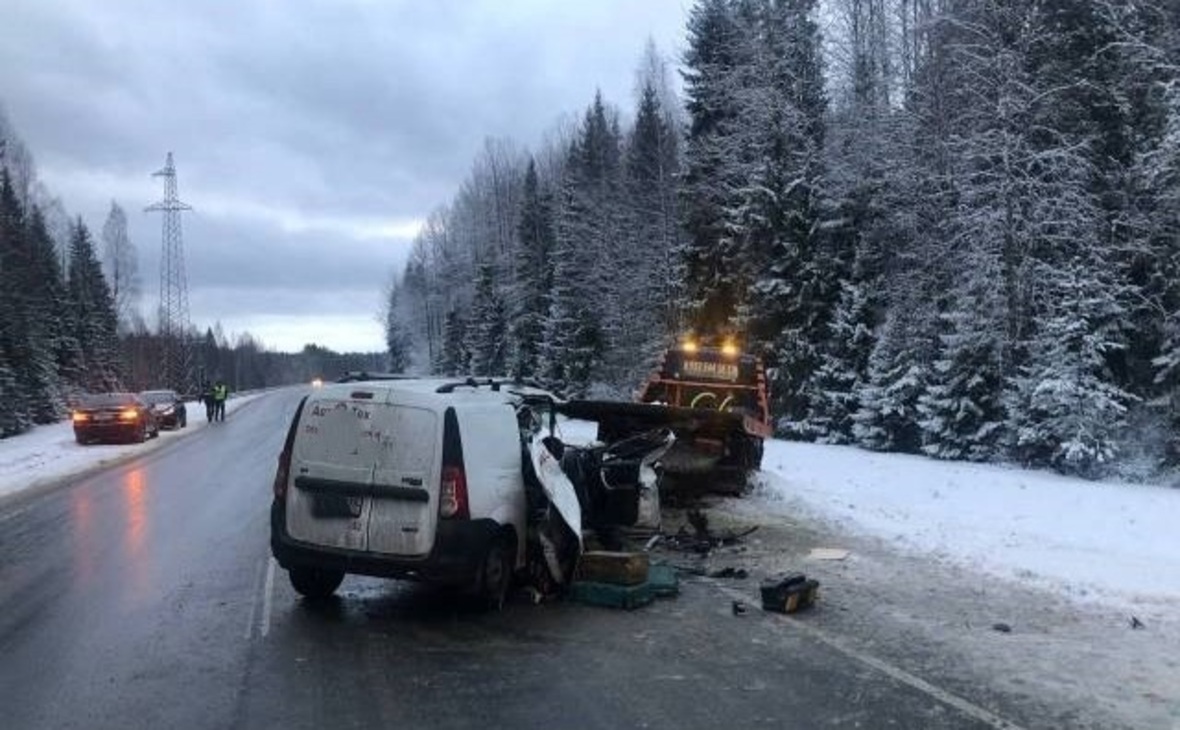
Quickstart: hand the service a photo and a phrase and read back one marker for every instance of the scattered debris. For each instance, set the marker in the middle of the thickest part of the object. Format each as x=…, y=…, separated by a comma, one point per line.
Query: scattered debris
x=740, y=608
x=1136, y=623
x=701, y=539
x=827, y=554
x=788, y=593
x=1003, y=628
x=730, y=572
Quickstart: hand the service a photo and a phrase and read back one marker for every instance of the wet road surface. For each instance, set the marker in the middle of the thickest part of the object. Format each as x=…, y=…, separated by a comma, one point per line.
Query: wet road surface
x=145, y=597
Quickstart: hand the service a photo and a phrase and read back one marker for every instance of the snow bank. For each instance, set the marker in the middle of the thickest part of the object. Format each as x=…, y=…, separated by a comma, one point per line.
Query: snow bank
x=1099, y=539
x=49, y=453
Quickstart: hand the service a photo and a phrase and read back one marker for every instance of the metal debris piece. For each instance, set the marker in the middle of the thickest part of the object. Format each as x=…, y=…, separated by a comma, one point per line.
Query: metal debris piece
x=730, y=572
x=828, y=554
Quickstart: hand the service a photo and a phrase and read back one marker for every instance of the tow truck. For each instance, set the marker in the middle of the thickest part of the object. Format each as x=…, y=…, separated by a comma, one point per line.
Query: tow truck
x=715, y=400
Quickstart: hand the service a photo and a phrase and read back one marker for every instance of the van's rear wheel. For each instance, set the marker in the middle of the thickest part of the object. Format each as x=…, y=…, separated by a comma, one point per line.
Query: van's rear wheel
x=496, y=574
x=315, y=583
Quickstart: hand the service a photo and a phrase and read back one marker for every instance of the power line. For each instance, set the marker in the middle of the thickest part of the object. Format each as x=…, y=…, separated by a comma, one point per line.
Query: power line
x=176, y=364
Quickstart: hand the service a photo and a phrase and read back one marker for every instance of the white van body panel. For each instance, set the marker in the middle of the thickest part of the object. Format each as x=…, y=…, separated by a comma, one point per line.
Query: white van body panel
x=409, y=460
x=328, y=446
x=492, y=457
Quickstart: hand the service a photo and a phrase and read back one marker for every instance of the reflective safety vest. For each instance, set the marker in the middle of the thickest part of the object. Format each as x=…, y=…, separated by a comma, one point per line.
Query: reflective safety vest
x=220, y=392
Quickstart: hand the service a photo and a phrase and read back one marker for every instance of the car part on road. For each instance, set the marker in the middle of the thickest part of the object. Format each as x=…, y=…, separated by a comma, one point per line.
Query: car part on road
x=827, y=554
x=730, y=572
x=788, y=593
x=702, y=540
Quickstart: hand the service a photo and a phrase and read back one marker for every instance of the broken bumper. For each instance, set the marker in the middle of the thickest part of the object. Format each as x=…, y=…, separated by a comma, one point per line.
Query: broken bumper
x=459, y=550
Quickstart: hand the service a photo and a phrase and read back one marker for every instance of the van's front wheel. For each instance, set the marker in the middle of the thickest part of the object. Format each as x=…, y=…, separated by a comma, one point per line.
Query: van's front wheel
x=315, y=583
x=496, y=574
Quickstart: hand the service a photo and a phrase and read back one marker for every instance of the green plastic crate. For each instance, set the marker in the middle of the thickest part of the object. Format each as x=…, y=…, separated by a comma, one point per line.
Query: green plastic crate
x=664, y=580
x=611, y=596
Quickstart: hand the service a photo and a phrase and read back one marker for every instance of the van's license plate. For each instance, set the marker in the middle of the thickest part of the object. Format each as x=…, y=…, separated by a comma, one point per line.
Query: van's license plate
x=336, y=505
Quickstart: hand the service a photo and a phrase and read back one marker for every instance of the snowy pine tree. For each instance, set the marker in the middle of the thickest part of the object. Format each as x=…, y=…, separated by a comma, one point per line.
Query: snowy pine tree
x=454, y=358
x=533, y=274
x=961, y=412
x=93, y=312
x=15, y=284
x=1068, y=413
x=487, y=329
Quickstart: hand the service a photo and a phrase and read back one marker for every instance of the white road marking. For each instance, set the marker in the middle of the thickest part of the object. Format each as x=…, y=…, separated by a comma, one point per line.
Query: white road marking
x=267, y=592
x=896, y=673
x=253, y=601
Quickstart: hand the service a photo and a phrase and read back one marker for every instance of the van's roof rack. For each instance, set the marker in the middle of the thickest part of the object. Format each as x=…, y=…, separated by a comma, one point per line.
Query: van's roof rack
x=359, y=375
x=493, y=383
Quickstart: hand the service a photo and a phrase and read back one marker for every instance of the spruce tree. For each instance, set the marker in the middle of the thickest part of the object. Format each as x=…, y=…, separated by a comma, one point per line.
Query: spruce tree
x=487, y=331
x=533, y=274
x=15, y=284
x=93, y=314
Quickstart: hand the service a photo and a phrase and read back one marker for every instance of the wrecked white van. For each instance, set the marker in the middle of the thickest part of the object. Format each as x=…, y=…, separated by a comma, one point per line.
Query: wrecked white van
x=408, y=478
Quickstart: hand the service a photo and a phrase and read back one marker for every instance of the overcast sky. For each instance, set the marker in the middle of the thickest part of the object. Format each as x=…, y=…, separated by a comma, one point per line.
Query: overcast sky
x=311, y=138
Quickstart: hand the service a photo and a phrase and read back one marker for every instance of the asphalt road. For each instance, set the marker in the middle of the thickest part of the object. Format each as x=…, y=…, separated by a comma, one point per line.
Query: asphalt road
x=145, y=597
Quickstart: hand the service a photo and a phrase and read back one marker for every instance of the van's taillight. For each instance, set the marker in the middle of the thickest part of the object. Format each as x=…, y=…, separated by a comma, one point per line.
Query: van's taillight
x=452, y=494
x=281, y=474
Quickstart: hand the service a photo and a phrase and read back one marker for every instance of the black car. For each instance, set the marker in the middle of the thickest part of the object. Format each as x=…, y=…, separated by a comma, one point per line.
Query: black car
x=113, y=416
x=167, y=406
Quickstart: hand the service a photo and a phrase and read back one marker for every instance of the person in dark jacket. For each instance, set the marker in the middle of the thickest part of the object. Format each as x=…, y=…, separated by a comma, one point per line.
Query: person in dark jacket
x=207, y=399
x=220, y=394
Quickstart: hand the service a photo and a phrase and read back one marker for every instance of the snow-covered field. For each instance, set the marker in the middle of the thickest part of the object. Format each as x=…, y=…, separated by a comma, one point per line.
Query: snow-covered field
x=49, y=453
x=1104, y=540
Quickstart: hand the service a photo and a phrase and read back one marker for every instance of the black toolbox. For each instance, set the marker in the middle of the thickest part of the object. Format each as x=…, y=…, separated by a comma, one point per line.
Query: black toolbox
x=789, y=593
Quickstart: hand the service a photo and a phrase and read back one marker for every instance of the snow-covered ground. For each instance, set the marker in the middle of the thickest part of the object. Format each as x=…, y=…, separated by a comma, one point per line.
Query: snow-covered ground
x=1105, y=540
x=49, y=453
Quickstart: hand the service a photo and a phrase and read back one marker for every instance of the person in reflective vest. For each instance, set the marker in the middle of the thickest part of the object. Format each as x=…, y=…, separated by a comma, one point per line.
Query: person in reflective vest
x=220, y=393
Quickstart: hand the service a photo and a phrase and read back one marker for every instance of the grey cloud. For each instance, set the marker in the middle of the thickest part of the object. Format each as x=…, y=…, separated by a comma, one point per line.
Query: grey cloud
x=326, y=110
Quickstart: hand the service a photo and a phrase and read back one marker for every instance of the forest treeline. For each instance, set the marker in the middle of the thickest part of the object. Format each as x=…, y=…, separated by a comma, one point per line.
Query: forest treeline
x=70, y=320
x=950, y=226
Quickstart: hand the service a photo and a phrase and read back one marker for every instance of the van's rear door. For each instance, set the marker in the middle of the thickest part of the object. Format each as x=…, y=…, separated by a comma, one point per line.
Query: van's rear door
x=332, y=472
x=404, y=512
